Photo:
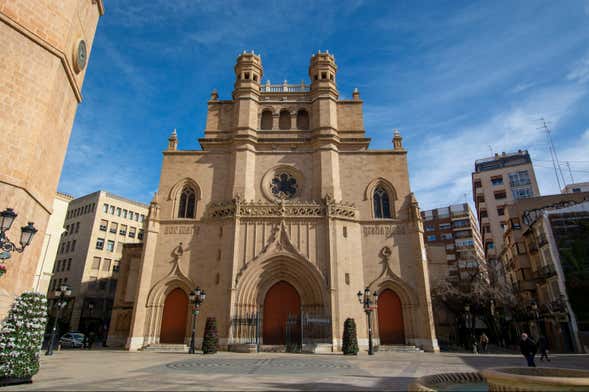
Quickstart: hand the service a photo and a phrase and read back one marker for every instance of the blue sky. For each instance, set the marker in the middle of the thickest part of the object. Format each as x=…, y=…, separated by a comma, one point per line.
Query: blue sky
x=458, y=78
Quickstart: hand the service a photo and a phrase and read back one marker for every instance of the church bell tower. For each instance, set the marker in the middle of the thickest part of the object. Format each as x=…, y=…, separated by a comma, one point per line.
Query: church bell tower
x=246, y=95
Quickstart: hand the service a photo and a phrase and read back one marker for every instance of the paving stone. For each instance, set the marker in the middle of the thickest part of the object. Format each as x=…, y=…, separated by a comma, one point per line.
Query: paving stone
x=120, y=370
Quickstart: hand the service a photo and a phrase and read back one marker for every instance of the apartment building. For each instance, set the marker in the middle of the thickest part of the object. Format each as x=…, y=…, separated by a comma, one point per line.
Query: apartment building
x=51, y=242
x=497, y=182
x=535, y=239
x=576, y=187
x=455, y=227
x=97, y=225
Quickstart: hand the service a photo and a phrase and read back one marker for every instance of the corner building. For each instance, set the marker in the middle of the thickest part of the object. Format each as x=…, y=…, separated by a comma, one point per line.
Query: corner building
x=284, y=211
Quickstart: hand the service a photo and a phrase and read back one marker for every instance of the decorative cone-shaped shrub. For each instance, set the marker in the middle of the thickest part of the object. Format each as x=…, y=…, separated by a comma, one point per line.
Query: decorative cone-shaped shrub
x=210, y=340
x=350, y=340
x=21, y=338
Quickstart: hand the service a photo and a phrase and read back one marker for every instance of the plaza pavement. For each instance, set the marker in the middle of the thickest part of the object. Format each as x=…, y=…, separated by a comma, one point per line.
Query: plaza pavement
x=121, y=370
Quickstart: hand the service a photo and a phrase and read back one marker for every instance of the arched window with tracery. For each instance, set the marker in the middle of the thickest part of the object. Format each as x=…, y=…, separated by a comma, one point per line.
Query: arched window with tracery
x=187, y=204
x=382, y=208
x=266, y=121
x=284, y=120
x=302, y=119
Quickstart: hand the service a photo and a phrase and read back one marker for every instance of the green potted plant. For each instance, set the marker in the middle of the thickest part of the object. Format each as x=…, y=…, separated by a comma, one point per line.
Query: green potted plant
x=350, y=340
x=21, y=337
x=210, y=340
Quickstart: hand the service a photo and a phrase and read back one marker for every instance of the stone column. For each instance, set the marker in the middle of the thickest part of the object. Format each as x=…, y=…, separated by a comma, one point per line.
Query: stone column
x=138, y=333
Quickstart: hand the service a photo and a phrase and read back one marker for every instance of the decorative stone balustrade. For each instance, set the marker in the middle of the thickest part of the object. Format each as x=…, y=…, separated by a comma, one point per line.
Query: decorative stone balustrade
x=285, y=88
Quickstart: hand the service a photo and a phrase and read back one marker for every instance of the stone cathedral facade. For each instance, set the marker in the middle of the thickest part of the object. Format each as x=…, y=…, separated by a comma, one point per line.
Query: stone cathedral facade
x=284, y=212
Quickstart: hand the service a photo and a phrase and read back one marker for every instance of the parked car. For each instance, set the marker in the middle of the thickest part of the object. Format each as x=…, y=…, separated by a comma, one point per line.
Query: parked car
x=72, y=339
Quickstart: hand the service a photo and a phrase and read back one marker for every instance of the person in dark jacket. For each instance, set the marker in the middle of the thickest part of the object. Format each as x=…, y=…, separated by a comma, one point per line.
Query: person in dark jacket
x=528, y=349
x=543, y=348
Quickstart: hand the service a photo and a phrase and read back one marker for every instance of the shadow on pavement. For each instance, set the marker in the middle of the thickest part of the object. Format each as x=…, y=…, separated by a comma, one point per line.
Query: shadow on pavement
x=380, y=384
x=483, y=361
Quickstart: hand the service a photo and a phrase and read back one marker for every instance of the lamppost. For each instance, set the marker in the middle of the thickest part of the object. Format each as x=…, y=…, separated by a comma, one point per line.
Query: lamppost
x=197, y=296
x=89, y=318
x=368, y=302
x=536, y=316
x=468, y=324
x=27, y=233
x=62, y=297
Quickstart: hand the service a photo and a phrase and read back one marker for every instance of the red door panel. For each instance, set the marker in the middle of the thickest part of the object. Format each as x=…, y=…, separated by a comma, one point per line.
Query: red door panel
x=174, y=317
x=390, y=318
x=280, y=300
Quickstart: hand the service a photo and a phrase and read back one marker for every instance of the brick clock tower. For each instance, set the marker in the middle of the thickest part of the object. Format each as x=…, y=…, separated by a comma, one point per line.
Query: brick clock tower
x=44, y=50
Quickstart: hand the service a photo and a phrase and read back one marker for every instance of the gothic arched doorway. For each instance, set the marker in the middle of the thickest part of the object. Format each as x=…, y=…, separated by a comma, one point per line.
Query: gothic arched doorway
x=390, y=318
x=174, y=317
x=281, y=300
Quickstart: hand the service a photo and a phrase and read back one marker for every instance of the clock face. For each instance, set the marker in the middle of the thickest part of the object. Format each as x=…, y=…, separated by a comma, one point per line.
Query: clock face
x=80, y=56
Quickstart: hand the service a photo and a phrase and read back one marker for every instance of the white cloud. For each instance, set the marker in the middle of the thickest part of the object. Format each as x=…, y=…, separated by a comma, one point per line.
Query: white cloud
x=442, y=164
x=521, y=87
x=580, y=71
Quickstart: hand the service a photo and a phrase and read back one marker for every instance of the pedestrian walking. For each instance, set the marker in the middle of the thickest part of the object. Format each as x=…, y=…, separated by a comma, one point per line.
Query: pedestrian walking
x=528, y=349
x=543, y=348
x=475, y=344
x=484, y=341
x=91, y=340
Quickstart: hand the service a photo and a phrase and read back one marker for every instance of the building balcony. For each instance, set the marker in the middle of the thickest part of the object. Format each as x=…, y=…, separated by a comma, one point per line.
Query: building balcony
x=459, y=214
x=524, y=285
x=545, y=272
x=517, y=183
x=464, y=247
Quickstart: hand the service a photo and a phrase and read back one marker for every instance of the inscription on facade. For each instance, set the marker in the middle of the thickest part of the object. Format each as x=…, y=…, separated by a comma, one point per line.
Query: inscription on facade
x=383, y=230
x=179, y=230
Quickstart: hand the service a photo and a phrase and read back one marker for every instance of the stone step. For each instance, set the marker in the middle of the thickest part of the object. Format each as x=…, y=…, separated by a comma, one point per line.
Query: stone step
x=167, y=348
x=399, y=348
x=268, y=348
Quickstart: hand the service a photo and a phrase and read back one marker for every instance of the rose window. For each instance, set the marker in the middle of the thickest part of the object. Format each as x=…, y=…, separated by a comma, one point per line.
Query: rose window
x=284, y=186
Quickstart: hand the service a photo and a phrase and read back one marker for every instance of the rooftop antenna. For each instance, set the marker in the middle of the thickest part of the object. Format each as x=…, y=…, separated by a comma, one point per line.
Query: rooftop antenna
x=570, y=171
x=553, y=155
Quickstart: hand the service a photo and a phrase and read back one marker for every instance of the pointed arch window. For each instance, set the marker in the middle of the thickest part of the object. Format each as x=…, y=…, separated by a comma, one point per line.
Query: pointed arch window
x=382, y=209
x=187, y=205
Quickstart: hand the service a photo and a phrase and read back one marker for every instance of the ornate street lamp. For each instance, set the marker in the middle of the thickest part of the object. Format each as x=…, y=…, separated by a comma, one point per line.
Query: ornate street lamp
x=536, y=316
x=27, y=233
x=62, y=297
x=197, y=296
x=468, y=321
x=368, y=301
